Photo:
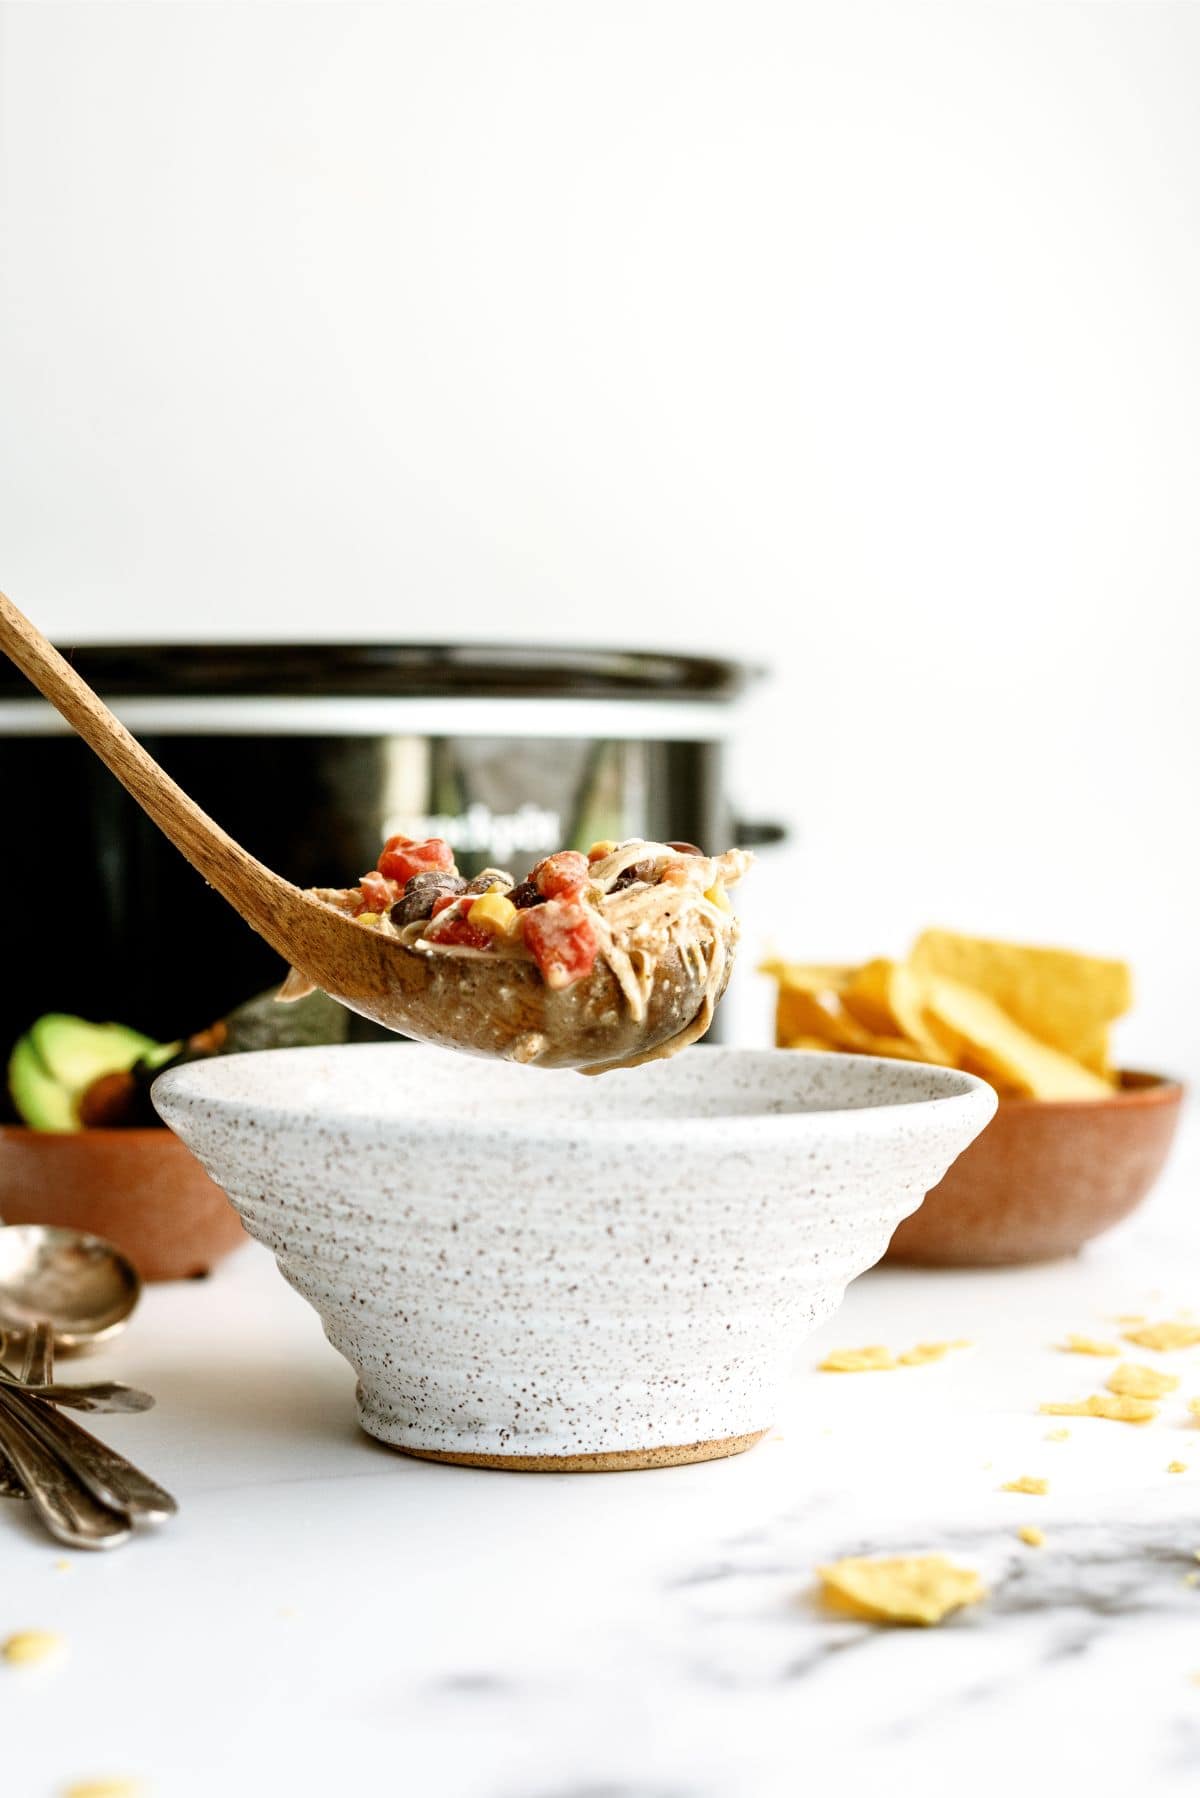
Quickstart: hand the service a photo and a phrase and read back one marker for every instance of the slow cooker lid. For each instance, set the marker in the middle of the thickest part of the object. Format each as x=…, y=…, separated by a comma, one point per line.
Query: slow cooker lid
x=396, y=670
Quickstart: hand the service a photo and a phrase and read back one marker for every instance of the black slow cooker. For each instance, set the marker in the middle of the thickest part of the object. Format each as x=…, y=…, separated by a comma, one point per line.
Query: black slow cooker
x=310, y=756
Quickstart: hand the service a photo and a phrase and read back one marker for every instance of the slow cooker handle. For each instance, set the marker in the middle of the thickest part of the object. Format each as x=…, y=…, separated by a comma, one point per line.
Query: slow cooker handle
x=759, y=833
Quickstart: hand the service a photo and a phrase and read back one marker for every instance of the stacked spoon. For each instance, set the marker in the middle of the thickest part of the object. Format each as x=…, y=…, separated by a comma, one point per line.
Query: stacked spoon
x=64, y=1288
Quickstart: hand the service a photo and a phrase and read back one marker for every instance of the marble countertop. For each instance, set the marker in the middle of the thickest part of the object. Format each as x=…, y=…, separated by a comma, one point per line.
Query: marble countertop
x=327, y=1616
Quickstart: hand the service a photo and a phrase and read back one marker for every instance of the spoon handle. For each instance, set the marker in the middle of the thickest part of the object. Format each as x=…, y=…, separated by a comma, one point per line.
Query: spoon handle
x=68, y=1510
x=37, y=1367
x=250, y=888
x=11, y=1484
x=108, y=1476
x=91, y=1395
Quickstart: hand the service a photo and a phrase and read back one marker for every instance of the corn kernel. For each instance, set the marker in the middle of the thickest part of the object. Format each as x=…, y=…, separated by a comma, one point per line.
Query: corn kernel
x=497, y=886
x=369, y=918
x=494, y=913
x=716, y=895
x=599, y=850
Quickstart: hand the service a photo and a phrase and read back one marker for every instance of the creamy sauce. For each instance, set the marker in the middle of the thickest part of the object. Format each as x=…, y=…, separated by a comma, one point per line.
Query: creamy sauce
x=636, y=929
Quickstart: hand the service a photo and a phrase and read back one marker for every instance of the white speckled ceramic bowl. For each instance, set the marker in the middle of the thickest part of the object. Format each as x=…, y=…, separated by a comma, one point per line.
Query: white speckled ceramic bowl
x=535, y=1270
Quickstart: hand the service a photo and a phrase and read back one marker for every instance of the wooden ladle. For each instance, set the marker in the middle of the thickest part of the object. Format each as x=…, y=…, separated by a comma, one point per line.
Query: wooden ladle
x=485, y=1007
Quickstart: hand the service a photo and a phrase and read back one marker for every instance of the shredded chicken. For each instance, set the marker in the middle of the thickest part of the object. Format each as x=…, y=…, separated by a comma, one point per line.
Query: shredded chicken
x=636, y=926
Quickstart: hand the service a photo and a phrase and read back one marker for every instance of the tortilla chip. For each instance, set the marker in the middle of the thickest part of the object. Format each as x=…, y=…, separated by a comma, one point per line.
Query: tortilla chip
x=931, y=1351
x=898, y=1048
x=1087, y=1345
x=874, y=1359
x=901, y=1588
x=1131, y=1381
x=888, y=999
x=1063, y=999
x=1116, y=1410
x=808, y=976
x=1164, y=1336
x=1009, y=1056
x=807, y=1019
x=30, y=1645
x=799, y=1012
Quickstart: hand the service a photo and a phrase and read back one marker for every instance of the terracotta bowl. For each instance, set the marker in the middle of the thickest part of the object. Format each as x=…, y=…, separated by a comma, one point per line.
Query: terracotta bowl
x=1045, y=1177
x=140, y=1189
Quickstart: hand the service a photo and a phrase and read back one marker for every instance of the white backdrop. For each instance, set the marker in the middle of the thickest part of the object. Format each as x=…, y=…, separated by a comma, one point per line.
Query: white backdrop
x=859, y=339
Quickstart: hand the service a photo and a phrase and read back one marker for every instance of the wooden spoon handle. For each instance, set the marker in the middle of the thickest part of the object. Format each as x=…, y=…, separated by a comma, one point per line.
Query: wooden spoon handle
x=250, y=888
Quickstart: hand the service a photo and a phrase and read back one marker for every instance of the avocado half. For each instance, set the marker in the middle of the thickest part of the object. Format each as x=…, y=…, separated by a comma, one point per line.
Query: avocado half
x=59, y=1057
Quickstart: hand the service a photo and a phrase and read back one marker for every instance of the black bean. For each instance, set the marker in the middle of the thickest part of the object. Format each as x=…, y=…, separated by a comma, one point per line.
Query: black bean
x=420, y=893
x=488, y=878
x=685, y=848
x=525, y=895
x=630, y=876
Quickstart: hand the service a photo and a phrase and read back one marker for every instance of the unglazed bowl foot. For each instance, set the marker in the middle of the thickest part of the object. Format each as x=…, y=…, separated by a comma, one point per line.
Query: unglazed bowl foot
x=621, y=1460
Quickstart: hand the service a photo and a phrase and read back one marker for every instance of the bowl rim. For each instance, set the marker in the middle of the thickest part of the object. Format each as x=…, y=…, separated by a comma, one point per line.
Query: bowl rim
x=1144, y=1088
x=138, y=1133
x=178, y=1092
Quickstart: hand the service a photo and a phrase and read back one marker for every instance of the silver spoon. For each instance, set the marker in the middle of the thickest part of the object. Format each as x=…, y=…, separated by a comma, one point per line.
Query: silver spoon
x=72, y=1513
x=79, y=1286
x=84, y=1395
x=111, y=1480
x=69, y=1283
x=37, y=1264
x=66, y=1286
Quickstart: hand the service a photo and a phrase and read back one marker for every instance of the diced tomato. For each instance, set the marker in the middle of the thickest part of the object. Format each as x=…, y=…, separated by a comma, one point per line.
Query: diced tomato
x=674, y=874
x=378, y=894
x=561, y=876
x=560, y=938
x=401, y=857
x=457, y=931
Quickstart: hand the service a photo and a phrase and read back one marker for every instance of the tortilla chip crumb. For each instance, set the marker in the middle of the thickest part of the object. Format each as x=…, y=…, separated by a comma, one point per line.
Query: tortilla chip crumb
x=1132, y=1381
x=901, y=1588
x=31, y=1645
x=1165, y=1336
x=1098, y=1404
x=62, y=1566
x=1191, y=1579
x=1028, y=1482
x=1057, y=1435
x=875, y=1359
x=1176, y=1466
x=931, y=1351
x=1130, y=1317
x=1033, y=1535
x=1088, y=1345
x=1194, y=1406
x=105, y=1788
